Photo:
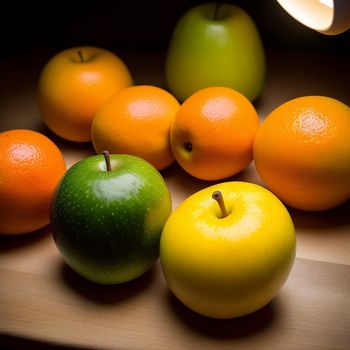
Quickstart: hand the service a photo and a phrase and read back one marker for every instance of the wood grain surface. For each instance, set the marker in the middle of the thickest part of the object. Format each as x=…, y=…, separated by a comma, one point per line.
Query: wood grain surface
x=44, y=303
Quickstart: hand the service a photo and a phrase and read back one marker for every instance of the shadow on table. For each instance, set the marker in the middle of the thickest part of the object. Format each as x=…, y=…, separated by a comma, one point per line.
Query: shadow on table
x=9, y=342
x=182, y=185
x=240, y=327
x=104, y=294
x=322, y=220
x=84, y=149
x=13, y=242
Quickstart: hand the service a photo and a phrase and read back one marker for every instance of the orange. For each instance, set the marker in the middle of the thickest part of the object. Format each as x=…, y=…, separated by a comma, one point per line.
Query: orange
x=213, y=132
x=137, y=121
x=74, y=84
x=30, y=168
x=302, y=152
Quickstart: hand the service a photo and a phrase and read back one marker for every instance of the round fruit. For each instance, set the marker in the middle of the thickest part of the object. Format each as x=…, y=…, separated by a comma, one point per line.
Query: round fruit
x=137, y=121
x=302, y=152
x=231, y=261
x=30, y=168
x=213, y=132
x=215, y=44
x=107, y=217
x=74, y=84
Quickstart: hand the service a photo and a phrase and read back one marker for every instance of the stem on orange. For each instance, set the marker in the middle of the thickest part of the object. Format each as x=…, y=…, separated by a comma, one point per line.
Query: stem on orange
x=81, y=56
x=107, y=160
x=217, y=195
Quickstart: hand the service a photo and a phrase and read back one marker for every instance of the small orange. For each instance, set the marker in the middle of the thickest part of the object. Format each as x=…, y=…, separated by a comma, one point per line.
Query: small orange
x=74, y=84
x=30, y=168
x=302, y=152
x=137, y=121
x=213, y=132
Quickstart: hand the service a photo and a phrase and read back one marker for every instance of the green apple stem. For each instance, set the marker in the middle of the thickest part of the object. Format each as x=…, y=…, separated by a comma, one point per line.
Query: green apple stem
x=216, y=12
x=81, y=56
x=217, y=195
x=107, y=159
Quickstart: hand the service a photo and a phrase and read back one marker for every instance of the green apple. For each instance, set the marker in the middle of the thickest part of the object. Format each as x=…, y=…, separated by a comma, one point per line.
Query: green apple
x=215, y=45
x=228, y=249
x=107, y=217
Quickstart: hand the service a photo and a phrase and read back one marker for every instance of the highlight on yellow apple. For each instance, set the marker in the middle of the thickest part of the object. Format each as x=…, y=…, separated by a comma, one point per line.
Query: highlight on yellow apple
x=215, y=44
x=228, y=249
x=74, y=84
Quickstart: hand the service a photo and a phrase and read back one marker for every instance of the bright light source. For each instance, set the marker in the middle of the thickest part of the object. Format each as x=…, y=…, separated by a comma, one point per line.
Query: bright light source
x=328, y=3
x=326, y=16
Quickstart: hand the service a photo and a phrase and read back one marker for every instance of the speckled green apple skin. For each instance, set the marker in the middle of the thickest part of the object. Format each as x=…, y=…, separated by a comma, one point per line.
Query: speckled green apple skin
x=107, y=224
x=223, y=51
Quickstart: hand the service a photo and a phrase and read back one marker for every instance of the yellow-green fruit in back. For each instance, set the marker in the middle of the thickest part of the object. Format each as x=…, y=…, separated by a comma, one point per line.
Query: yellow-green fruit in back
x=215, y=45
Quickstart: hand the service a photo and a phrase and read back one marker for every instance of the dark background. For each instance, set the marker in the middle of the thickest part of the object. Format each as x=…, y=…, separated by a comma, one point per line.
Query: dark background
x=133, y=25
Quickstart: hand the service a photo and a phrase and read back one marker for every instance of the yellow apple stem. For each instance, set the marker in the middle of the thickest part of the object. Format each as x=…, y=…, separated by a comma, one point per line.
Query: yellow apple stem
x=81, y=56
x=107, y=159
x=217, y=195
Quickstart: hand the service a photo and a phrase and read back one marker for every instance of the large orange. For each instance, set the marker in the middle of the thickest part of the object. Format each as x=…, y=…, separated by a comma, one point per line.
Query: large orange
x=302, y=152
x=137, y=121
x=213, y=132
x=30, y=167
x=74, y=84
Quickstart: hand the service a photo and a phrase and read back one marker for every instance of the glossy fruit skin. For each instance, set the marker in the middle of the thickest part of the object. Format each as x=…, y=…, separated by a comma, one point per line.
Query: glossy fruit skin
x=228, y=267
x=302, y=152
x=219, y=124
x=70, y=91
x=223, y=52
x=30, y=167
x=107, y=225
x=137, y=121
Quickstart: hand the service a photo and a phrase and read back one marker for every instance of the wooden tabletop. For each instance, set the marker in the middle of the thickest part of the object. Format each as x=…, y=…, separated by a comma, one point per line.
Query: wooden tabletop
x=43, y=302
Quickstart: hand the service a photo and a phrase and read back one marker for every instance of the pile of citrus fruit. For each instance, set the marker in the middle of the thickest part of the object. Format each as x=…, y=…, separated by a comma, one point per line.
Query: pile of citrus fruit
x=301, y=150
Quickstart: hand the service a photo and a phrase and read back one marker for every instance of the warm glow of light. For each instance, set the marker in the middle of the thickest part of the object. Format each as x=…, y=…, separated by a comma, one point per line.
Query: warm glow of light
x=326, y=16
x=328, y=3
x=312, y=13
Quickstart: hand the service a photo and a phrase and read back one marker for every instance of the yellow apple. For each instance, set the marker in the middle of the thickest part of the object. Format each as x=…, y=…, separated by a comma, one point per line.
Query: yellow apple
x=74, y=84
x=227, y=250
